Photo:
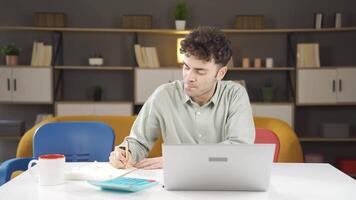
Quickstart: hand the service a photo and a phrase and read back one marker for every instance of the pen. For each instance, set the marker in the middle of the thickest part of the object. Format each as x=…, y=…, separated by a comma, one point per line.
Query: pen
x=126, y=152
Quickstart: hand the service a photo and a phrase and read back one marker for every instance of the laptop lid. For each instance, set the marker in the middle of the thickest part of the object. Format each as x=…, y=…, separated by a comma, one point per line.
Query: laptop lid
x=217, y=166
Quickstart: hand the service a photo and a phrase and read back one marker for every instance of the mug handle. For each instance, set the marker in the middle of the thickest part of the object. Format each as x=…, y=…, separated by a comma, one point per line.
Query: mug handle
x=29, y=167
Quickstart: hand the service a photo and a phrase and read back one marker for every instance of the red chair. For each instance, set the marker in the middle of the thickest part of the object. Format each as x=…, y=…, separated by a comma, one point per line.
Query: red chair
x=265, y=136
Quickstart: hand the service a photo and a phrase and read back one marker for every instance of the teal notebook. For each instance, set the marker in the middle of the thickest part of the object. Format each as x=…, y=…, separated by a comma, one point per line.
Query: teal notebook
x=125, y=184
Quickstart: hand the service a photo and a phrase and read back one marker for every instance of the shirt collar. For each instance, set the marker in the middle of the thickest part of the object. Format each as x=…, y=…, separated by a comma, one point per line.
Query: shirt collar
x=213, y=99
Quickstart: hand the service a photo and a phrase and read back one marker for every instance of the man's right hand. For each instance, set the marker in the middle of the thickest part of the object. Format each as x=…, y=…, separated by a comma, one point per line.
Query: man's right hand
x=119, y=159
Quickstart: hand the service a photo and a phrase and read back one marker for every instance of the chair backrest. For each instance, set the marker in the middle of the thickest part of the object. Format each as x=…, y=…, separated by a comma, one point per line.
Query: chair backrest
x=290, y=149
x=78, y=141
x=265, y=136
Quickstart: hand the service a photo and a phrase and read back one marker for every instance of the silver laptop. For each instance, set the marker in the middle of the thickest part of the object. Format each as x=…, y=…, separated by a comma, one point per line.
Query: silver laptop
x=217, y=166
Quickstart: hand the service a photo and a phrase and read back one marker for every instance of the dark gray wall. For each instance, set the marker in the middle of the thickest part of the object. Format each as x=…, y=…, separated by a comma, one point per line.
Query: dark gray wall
x=335, y=48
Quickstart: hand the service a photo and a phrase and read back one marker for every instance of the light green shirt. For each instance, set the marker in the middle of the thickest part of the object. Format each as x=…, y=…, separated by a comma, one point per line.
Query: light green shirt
x=226, y=118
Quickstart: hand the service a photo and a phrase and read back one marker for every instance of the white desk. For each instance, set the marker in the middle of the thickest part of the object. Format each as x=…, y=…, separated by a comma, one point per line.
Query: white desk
x=288, y=182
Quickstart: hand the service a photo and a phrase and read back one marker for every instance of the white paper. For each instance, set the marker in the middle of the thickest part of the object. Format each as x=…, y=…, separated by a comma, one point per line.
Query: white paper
x=99, y=171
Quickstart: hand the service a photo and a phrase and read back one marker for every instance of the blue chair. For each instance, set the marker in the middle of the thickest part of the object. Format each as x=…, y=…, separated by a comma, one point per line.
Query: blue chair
x=78, y=141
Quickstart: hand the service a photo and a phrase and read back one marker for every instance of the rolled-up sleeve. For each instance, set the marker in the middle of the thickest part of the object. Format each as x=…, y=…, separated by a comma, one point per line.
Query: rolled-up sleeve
x=144, y=132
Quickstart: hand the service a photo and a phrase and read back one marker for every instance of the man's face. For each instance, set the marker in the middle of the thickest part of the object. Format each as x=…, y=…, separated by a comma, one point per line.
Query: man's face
x=200, y=77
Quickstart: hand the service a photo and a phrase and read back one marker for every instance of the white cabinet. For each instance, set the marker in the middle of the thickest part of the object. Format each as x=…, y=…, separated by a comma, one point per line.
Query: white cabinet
x=88, y=108
x=26, y=85
x=5, y=84
x=326, y=86
x=346, y=82
x=284, y=112
x=147, y=80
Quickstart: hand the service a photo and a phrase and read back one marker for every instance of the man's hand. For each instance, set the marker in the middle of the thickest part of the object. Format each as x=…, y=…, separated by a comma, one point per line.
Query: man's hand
x=119, y=160
x=150, y=163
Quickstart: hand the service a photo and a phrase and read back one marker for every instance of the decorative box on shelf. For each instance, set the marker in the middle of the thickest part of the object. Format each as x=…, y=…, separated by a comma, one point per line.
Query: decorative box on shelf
x=50, y=19
x=137, y=21
x=249, y=22
x=96, y=61
x=335, y=130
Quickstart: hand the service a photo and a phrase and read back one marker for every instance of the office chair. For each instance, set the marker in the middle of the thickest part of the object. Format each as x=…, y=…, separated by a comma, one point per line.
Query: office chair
x=265, y=136
x=78, y=141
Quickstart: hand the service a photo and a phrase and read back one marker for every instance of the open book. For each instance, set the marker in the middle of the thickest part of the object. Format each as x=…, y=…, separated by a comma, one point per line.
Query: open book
x=99, y=171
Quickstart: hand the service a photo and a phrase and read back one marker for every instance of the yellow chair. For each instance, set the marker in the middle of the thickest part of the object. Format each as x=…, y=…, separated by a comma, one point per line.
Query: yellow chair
x=290, y=149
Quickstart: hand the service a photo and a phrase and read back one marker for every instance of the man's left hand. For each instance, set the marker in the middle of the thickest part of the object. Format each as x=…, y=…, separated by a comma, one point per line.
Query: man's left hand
x=150, y=163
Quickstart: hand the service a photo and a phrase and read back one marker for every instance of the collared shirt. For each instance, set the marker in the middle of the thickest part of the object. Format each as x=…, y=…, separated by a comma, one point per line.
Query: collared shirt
x=226, y=118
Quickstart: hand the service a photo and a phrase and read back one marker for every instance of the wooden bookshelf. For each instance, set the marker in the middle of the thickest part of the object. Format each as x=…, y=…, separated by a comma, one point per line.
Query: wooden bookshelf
x=321, y=139
x=112, y=68
x=10, y=137
x=262, y=69
x=172, y=31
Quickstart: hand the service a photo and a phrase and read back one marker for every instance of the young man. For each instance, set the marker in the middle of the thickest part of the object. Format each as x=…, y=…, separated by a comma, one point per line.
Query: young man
x=200, y=109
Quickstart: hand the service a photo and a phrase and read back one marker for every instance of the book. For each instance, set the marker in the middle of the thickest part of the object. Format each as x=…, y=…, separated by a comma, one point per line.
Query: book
x=308, y=55
x=41, y=55
x=139, y=56
x=146, y=57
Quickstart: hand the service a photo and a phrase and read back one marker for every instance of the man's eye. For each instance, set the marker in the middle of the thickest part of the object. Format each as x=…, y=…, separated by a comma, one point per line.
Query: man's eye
x=200, y=72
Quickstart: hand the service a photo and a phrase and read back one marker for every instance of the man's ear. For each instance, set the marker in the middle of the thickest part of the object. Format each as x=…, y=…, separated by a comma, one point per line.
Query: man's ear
x=221, y=73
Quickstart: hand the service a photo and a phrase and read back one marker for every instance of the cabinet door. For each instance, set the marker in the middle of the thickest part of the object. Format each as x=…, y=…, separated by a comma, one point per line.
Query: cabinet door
x=65, y=109
x=346, y=82
x=316, y=86
x=5, y=84
x=282, y=112
x=32, y=85
x=147, y=80
x=113, y=109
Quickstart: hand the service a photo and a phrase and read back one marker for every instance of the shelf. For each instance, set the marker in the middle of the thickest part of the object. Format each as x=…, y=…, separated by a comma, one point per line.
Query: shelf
x=262, y=69
x=91, y=102
x=10, y=137
x=273, y=103
x=24, y=66
x=325, y=104
x=325, y=67
x=321, y=139
x=113, y=68
x=172, y=31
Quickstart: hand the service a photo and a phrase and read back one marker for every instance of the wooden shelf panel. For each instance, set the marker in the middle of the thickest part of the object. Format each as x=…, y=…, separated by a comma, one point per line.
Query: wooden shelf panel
x=172, y=31
x=262, y=69
x=114, y=68
x=25, y=66
x=321, y=139
x=10, y=137
x=91, y=102
x=273, y=103
x=326, y=104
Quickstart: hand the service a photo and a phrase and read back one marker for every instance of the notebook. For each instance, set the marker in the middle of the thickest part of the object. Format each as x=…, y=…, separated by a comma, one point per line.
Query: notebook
x=98, y=171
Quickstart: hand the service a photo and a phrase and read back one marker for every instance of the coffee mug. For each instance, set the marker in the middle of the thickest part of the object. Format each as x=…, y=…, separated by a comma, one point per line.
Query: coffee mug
x=50, y=169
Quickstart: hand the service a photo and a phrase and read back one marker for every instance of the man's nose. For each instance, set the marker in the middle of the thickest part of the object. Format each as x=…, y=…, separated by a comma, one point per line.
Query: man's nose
x=190, y=76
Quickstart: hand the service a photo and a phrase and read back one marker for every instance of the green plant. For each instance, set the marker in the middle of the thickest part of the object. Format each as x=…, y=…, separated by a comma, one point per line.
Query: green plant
x=98, y=91
x=181, y=11
x=10, y=50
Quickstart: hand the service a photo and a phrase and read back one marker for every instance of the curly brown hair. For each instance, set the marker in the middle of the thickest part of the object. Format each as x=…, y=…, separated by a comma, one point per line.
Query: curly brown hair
x=207, y=43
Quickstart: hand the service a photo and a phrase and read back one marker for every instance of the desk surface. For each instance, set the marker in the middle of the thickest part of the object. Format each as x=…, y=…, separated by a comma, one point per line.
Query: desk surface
x=289, y=181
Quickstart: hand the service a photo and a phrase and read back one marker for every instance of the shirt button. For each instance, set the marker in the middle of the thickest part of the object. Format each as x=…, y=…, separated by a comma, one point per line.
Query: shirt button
x=200, y=135
x=198, y=113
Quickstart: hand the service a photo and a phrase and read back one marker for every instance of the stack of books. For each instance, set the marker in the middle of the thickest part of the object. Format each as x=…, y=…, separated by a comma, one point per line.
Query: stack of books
x=146, y=57
x=41, y=55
